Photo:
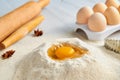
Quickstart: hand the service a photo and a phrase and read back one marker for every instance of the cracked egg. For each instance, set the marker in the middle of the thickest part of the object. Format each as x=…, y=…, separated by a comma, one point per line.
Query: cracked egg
x=66, y=50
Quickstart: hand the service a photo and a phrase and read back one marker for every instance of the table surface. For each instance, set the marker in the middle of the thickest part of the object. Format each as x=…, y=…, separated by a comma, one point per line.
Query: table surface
x=60, y=18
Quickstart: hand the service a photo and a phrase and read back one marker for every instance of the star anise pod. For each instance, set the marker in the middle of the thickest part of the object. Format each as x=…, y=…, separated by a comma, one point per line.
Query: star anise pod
x=38, y=32
x=8, y=54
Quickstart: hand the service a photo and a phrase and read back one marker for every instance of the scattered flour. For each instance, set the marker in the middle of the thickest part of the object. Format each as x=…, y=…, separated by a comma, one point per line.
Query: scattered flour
x=93, y=66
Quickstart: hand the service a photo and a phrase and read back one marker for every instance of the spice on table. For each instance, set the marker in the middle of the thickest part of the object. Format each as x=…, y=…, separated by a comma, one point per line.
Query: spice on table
x=8, y=54
x=38, y=32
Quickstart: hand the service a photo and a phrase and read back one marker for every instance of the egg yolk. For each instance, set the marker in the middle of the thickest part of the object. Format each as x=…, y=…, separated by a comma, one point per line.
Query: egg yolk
x=64, y=52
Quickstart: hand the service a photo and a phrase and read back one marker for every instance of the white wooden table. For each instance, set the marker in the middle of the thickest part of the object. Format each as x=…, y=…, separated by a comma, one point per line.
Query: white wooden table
x=60, y=17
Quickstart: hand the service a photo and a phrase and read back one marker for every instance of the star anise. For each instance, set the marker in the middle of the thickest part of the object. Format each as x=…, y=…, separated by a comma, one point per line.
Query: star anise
x=38, y=32
x=8, y=54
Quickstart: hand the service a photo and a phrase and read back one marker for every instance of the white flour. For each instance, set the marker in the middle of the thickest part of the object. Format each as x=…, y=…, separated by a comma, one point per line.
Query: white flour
x=97, y=65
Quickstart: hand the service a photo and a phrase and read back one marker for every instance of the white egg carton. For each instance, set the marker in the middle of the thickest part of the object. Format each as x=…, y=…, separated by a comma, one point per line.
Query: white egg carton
x=97, y=35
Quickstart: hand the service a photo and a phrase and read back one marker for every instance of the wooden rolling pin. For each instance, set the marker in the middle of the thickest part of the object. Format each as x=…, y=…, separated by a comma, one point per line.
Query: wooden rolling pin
x=21, y=32
x=15, y=19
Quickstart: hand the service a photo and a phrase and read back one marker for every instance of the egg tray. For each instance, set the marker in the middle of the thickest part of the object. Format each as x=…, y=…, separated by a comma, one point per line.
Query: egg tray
x=97, y=35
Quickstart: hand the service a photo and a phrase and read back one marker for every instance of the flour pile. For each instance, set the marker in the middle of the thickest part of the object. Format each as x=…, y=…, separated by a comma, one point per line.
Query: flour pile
x=93, y=66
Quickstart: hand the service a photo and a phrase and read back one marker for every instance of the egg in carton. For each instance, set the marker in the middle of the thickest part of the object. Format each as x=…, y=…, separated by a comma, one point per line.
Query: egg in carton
x=113, y=45
x=99, y=22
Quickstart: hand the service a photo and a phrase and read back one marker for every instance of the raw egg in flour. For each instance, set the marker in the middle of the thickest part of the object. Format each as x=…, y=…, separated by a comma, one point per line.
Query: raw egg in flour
x=83, y=15
x=41, y=64
x=97, y=22
x=100, y=7
x=65, y=51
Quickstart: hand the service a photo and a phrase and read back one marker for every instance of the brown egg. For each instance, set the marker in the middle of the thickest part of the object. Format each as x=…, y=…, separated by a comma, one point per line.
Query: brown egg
x=100, y=7
x=112, y=3
x=83, y=14
x=119, y=9
x=112, y=15
x=97, y=22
